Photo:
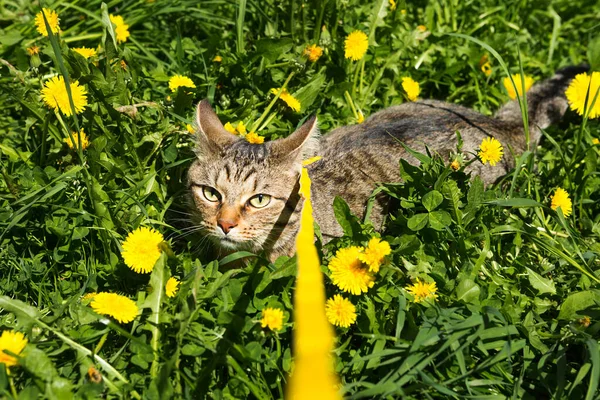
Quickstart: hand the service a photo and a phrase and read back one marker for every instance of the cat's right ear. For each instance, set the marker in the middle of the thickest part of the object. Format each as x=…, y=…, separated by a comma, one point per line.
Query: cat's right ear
x=211, y=129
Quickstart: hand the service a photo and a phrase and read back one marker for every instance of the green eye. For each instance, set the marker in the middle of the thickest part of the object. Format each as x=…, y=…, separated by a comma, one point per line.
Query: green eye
x=211, y=194
x=260, y=200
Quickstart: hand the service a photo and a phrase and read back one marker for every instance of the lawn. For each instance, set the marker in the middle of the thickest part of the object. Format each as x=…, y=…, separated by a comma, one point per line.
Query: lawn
x=516, y=310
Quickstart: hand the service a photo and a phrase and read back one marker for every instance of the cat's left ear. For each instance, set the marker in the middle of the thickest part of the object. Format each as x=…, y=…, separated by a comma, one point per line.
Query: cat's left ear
x=303, y=143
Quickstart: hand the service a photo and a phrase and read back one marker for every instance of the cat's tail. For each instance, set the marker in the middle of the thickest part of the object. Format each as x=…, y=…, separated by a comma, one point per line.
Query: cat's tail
x=546, y=102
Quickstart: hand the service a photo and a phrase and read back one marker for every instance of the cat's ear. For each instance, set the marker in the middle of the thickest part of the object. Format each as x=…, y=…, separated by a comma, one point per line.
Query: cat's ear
x=211, y=128
x=303, y=143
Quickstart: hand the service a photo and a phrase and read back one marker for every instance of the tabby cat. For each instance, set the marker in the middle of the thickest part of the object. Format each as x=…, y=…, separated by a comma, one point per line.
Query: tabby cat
x=245, y=196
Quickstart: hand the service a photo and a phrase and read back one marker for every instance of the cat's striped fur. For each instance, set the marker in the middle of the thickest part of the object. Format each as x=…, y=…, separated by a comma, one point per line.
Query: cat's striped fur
x=354, y=160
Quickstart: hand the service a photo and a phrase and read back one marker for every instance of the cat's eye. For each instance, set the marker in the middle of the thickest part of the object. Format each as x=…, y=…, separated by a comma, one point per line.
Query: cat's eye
x=211, y=194
x=260, y=200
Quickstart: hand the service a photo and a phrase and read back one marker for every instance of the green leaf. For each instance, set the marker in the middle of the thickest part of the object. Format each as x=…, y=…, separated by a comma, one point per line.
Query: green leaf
x=432, y=200
x=439, y=220
x=514, y=202
x=543, y=285
x=308, y=93
x=344, y=217
x=576, y=302
x=452, y=193
x=467, y=291
x=418, y=222
x=25, y=313
x=594, y=54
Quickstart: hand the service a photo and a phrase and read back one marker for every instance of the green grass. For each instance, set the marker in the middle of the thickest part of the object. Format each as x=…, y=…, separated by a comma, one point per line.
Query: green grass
x=514, y=277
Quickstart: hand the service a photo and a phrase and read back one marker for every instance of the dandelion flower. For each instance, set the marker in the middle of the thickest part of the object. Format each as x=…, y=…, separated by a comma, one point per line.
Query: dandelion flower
x=411, y=88
x=517, y=78
x=253, y=138
x=595, y=141
x=272, y=318
x=86, y=52
x=172, y=287
x=361, y=118
x=84, y=140
x=141, y=249
x=374, y=254
x=33, y=50
x=119, y=307
x=89, y=296
x=422, y=291
x=422, y=28
x=340, y=311
x=53, y=22
x=14, y=342
x=229, y=127
x=218, y=59
x=455, y=165
x=240, y=128
x=486, y=68
x=348, y=273
x=189, y=128
x=290, y=100
x=54, y=94
x=180, y=81
x=490, y=151
x=393, y=5
x=577, y=92
x=121, y=28
x=313, y=52
x=356, y=45
x=561, y=199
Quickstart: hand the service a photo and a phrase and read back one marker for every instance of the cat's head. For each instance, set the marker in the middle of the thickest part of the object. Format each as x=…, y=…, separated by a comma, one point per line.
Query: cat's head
x=245, y=196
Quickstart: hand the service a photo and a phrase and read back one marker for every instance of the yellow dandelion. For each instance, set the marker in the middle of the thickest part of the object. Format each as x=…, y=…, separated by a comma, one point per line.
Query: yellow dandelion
x=561, y=199
x=33, y=50
x=53, y=21
x=361, y=118
x=577, y=92
x=189, y=128
x=54, y=94
x=423, y=291
x=486, y=68
x=121, y=28
x=519, y=83
x=141, y=249
x=490, y=151
x=584, y=322
x=172, y=287
x=595, y=141
x=86, y=52
x=84, y=140
x=421, y=28
x=119, y=307
x=272, y=318
x=411, y=88
x=455, y=165
x=375, y=253
x=229, y=127
x=253, y=138
x=340, y=311
x=89, y=296
x=403, y=12
x=356, y=45
x=290, y=100
x=348, y=273
x=393, y=5
x=313, y=52
x=180, y=81
x=14, y=342
x=240, y=128
x=218, y=59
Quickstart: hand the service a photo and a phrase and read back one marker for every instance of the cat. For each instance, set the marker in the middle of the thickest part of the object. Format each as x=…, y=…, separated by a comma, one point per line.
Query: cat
x=245, y=196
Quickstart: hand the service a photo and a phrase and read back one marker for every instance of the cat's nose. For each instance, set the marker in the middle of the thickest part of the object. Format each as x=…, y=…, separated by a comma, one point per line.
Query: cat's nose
x=226, y=225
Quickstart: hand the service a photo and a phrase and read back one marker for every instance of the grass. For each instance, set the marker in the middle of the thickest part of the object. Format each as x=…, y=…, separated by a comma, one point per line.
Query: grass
x=515, y=279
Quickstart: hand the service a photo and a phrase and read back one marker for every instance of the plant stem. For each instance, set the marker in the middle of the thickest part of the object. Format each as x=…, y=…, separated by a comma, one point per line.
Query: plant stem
x=271, y=104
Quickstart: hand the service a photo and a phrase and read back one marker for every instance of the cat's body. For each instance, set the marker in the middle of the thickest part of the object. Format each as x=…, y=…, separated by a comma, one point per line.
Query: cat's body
x=231, y=175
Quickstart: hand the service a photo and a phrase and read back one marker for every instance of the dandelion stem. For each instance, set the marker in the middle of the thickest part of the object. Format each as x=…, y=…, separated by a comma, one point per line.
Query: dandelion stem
x=271, y=104
x=13, y=389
